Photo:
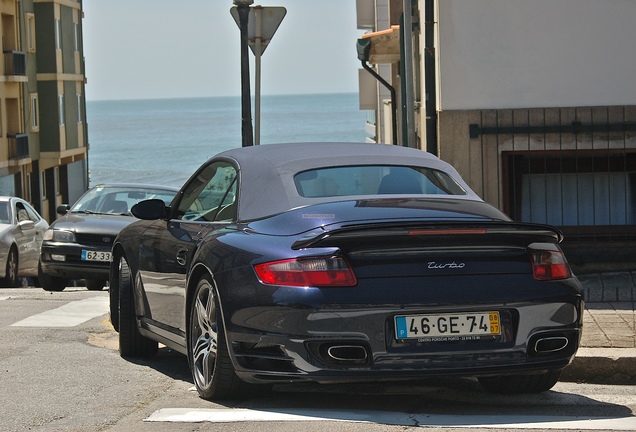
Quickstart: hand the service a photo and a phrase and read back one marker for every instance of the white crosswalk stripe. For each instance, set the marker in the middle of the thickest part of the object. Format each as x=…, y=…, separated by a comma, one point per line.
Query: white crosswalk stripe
x=69, y=315
x=186, y=415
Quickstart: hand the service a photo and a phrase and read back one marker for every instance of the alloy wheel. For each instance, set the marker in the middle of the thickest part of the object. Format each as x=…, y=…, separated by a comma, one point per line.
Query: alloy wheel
x=204, y=335
x=12, y=268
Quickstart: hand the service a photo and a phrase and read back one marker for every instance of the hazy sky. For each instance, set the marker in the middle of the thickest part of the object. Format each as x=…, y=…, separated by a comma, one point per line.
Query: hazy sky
x=141, y=49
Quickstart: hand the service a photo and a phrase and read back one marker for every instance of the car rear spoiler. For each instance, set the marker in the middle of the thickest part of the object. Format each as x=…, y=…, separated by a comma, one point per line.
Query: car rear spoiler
x=512, y=232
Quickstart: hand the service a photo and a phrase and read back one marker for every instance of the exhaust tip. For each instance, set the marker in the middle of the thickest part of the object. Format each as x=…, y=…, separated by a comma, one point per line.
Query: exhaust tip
x=347, y=353
x=341, y=353
x=551, y=344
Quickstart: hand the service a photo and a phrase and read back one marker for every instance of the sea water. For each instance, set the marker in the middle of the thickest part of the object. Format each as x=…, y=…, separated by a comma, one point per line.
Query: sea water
x=163, y=141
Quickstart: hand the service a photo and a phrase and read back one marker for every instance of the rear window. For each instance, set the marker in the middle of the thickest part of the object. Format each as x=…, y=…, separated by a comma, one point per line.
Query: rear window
x=375, y=180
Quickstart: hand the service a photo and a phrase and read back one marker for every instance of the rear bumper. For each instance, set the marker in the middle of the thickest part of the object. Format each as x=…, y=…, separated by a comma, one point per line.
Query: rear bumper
x=330, y=346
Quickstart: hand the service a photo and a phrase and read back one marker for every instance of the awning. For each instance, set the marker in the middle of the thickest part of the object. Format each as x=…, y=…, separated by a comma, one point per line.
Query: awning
x=380, y=47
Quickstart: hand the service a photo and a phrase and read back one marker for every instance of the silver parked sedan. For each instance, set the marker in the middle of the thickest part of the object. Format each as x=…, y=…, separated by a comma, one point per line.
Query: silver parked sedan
x=21, y=231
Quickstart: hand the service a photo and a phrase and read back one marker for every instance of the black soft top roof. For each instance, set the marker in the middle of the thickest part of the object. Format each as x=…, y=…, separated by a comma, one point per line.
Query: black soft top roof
x=266, y=172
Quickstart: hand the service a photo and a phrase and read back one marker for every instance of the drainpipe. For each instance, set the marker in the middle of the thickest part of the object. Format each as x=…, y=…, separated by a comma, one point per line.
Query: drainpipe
x=430, y=84
x=364, y=48
x=407, y=60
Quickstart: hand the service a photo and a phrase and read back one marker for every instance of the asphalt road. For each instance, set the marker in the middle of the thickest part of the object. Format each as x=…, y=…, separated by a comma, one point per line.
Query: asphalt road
x=60, y=371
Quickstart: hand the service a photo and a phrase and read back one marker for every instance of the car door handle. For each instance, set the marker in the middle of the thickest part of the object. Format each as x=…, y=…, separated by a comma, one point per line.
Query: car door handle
x=182, y=255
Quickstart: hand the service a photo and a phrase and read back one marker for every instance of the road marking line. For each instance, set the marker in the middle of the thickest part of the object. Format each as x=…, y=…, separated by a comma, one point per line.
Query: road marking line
x=69, y=315
x=4, y=298
x=186, y=415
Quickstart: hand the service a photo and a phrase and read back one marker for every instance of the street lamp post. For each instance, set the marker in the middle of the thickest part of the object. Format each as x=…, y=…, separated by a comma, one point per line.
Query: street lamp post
x=243, y=9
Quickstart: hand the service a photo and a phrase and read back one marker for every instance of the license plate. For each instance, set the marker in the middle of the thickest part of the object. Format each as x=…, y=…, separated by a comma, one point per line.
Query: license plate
x=438, y=326
x=96, y=256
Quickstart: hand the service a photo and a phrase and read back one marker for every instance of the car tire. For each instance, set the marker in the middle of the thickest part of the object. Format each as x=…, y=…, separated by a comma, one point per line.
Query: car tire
x=518, y=384
x=208, y=355
x=11, y=276
x=50, y=283
x=131, y=342
x=95, y=284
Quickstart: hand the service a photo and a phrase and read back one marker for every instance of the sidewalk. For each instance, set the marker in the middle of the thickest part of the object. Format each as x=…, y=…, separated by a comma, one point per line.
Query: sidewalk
x=608, y=347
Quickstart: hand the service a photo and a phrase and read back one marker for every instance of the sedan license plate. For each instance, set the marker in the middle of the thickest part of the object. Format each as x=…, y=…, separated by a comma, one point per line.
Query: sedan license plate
x=96, y=256
x=461, y=326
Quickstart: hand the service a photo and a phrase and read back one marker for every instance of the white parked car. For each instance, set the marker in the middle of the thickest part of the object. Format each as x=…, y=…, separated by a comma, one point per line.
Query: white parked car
x=21, y=231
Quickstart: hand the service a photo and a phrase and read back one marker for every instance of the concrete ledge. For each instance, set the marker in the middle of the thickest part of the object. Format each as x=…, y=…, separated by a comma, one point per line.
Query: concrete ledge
x=602, y=366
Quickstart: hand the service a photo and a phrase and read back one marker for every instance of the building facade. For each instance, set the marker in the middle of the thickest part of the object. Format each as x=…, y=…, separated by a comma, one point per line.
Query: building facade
x=43, y=150
x=533, y=104
x=15, y=161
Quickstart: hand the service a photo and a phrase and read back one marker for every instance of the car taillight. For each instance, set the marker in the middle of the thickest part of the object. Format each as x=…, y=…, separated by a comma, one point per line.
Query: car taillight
x=307, y=272
x=549, y=265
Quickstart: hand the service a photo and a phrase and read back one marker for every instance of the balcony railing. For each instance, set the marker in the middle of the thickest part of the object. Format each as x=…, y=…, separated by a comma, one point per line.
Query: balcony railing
x=18, y=146
x=14, y=62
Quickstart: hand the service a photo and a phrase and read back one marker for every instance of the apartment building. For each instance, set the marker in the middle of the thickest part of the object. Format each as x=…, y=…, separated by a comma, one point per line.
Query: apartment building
x=532, y=102
x=43, y=149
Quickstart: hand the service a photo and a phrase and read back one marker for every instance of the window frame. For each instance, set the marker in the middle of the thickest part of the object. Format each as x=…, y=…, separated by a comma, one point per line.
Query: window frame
x=76, y=36
x=58, y=34
x=62, y=117
x=30, y=32
x=79, y=109
x=43, y=185
x=35, y=112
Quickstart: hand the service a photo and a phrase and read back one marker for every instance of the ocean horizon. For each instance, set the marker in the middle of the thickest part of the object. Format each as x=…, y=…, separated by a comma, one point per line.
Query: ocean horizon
x=89, y=100
x=163, y=141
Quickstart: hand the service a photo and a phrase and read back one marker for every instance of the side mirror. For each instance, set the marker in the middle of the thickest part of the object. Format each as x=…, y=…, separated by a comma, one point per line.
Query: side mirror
x=62, y=209
x=26, y=225
x=151, y=209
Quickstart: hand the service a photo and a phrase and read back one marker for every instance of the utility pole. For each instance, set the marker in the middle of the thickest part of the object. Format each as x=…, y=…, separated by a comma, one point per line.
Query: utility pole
x=258, y=52
x=243, y=9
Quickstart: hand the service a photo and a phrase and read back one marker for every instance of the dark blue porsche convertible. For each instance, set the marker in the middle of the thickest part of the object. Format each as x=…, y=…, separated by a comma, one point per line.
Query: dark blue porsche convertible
x=341, y=262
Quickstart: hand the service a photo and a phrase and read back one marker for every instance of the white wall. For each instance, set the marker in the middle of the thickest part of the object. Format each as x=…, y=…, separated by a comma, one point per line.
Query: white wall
x=536, y=53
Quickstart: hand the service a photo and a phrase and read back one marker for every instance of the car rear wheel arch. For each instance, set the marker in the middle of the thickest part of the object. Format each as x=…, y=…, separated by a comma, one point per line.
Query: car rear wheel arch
x=224, y=382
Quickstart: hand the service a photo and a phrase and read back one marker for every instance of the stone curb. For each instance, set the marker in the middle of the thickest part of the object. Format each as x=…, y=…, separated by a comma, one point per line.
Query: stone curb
x=602, y=366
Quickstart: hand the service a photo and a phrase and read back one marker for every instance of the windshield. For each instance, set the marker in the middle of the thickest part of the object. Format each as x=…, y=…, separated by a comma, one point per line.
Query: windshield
x=375, y=180
x=117, y=200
